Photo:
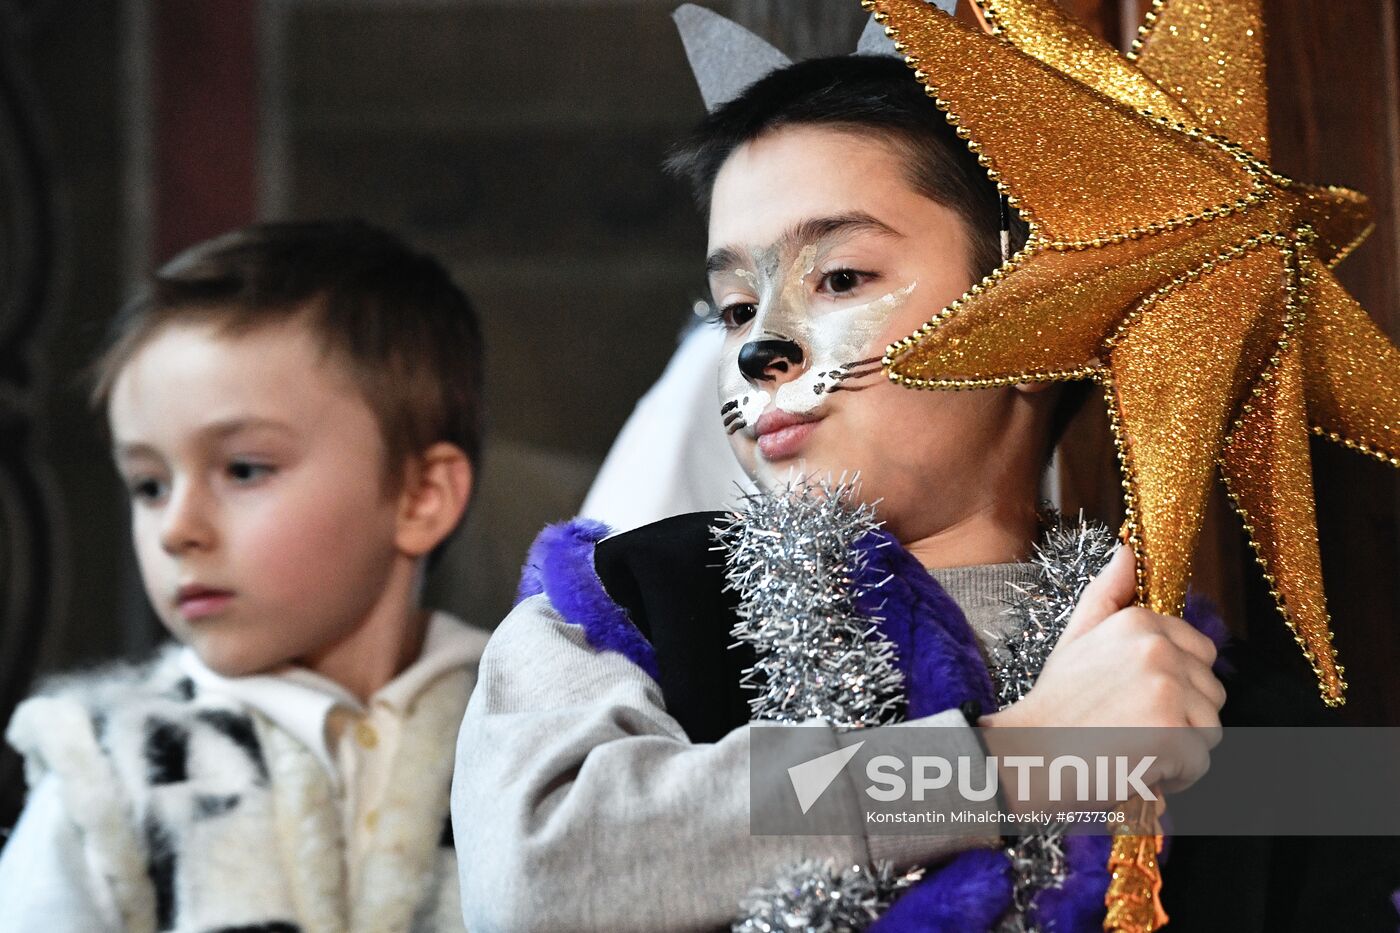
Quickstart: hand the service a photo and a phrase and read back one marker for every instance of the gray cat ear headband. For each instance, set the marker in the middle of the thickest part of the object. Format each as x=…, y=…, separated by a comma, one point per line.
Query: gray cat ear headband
x=726, y=58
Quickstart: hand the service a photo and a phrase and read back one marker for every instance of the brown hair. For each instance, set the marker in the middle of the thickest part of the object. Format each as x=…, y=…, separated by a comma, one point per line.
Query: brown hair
x=406, y=333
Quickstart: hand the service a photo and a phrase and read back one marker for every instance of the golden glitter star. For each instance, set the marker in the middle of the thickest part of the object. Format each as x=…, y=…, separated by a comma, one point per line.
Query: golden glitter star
x=1168, y=262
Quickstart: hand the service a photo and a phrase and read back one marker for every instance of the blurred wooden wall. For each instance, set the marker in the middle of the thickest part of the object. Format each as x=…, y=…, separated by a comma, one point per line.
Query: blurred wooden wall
x=1334, y=70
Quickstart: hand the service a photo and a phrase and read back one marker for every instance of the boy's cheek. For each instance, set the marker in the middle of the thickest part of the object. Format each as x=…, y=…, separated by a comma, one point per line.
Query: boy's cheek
x=744, y=452
x=144, y=533
x=282, y=550
x=276, y=555
x=157, y=572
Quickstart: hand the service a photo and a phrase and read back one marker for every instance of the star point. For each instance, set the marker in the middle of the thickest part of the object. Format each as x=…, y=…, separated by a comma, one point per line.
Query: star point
x=1172, y=265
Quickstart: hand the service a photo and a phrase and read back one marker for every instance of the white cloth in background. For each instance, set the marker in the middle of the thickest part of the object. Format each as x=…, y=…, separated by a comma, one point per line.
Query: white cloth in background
x=672, y=456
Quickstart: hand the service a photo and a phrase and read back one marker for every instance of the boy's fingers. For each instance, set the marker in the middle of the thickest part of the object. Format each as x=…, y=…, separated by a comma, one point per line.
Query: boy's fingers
x=1193, y=767
x=1113, y=589
x=1203, y=716
x=1190, y=753
x=1208, y=685
x=1189, y=639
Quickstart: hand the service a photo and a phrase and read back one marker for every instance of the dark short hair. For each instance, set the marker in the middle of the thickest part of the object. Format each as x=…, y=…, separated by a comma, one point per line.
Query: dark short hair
x=867, y=93
x=406, y=333
x=863, y=93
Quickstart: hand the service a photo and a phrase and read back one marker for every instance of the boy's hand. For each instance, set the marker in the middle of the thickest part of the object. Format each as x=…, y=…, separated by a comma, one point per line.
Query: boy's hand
x=1122, y=665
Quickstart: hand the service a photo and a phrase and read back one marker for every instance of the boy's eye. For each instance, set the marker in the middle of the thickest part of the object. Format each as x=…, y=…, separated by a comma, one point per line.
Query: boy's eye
x=733, y=316
x=843, y=281
x=248, y=471
x=737, y=315
x=145, y=488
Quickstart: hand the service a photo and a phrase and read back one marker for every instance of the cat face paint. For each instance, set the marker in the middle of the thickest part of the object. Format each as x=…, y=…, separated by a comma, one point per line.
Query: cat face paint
x=801, y=336
x=816, y=234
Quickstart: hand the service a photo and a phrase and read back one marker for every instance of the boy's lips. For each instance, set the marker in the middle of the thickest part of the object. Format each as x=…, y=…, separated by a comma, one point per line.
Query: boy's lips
x=781, y=434
x=196, y=601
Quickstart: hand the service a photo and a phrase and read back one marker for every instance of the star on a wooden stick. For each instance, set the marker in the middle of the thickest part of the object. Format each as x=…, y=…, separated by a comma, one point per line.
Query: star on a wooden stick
x=1168, y=262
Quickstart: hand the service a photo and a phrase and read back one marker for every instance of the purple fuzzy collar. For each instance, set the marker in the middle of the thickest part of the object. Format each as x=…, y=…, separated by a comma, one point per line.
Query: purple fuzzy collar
x=560, y=565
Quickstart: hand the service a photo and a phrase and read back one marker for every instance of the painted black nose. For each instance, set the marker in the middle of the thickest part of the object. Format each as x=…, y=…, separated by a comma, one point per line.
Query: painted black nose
x=765, y=360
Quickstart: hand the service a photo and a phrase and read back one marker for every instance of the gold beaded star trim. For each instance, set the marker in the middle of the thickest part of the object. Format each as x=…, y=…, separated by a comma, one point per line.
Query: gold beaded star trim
x=1169, y=262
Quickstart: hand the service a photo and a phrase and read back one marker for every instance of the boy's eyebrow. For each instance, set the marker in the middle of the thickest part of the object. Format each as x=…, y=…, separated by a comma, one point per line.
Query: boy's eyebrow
x=722, y=260
x=217, y=429
x=229, y=426
x=809, y=231
x=132, y=451
x=805, y=232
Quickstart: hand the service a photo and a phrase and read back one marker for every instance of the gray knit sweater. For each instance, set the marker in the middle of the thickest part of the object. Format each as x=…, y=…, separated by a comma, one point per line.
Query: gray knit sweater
x=579, y=804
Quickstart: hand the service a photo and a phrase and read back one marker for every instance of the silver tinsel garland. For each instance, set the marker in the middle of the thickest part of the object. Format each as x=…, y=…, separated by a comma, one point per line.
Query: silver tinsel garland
x=819, y=897
x=791, y=557
x=1068, y=556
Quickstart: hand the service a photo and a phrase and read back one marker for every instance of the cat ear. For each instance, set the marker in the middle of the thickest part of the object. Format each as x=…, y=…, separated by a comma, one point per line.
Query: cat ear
x=725, y=57
x=873, y=40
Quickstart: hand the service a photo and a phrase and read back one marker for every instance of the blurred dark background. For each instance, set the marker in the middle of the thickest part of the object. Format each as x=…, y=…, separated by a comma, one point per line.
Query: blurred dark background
x=519, y=140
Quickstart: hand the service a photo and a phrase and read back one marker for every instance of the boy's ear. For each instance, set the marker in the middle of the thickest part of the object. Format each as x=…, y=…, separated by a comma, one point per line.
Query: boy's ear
x=437, y=487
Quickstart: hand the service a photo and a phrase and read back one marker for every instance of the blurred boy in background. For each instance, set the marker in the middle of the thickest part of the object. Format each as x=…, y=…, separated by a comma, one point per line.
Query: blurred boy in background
x=295, y=410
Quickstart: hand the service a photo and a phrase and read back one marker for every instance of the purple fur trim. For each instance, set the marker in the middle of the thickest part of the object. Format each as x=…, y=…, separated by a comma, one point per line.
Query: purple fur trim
x=1078, y=905
x=560, y=565
x=1204, y=615
x=937, y=650
x=968, y=893
x=943, y=668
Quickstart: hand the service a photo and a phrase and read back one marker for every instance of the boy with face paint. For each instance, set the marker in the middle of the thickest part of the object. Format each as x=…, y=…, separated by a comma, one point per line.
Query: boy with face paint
x=603, y=775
